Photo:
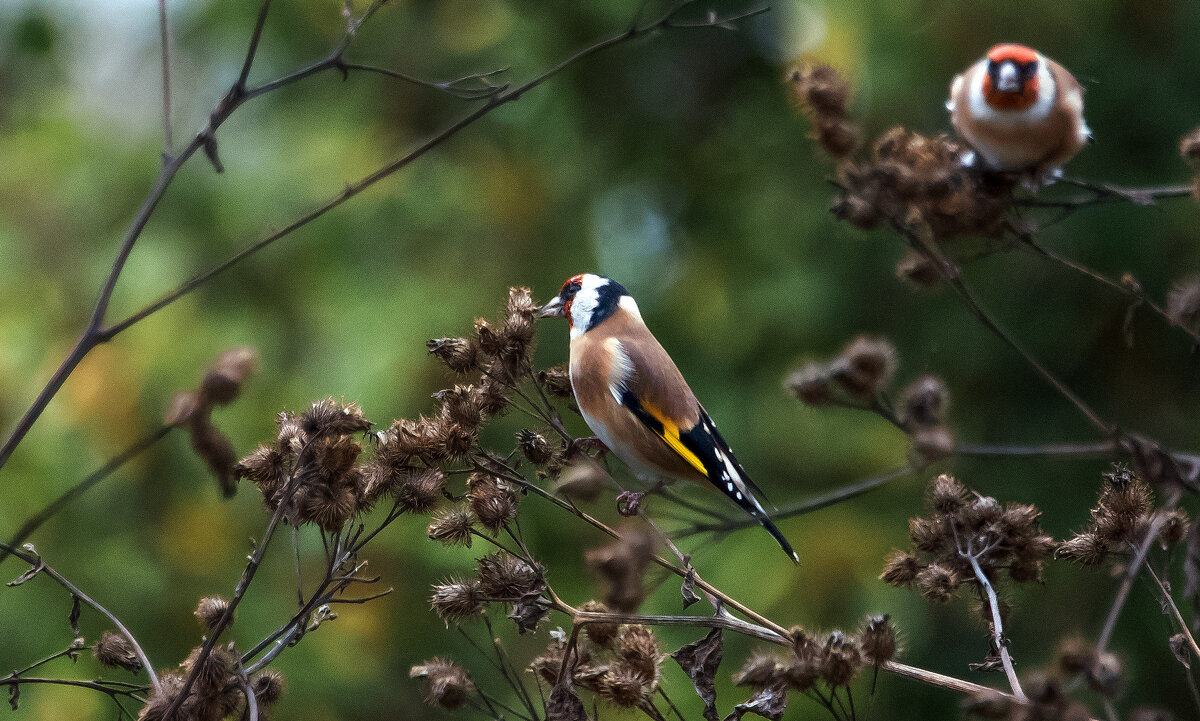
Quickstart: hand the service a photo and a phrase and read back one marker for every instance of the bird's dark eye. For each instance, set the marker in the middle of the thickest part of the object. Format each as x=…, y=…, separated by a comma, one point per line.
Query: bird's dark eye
x=1029, y=69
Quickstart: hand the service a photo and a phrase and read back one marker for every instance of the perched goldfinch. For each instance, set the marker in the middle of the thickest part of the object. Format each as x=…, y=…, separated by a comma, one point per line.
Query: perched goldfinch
x=636, y=401
x=1020, y=111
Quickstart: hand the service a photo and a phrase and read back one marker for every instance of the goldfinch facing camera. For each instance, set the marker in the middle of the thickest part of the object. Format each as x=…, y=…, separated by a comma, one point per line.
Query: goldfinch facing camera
x=636, y=401
x=1020, y=111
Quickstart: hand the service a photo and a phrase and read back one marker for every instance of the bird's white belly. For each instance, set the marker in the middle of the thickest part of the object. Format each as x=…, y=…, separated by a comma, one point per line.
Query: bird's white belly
x=643, y=472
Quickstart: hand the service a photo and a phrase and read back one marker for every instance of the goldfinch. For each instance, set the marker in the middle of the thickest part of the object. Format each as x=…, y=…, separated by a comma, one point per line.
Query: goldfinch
x=1020, y=111
x=636, y=401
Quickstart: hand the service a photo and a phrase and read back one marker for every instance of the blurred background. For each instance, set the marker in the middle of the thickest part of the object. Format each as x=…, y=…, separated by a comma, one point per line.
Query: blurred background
x=675, y=164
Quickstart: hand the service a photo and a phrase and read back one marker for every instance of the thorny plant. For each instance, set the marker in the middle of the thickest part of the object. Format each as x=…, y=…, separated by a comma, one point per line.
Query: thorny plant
x=326, y=471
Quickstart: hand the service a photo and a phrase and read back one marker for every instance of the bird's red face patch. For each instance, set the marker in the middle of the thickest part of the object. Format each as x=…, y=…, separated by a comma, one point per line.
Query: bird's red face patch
x=567, y=293
x=1011, y=80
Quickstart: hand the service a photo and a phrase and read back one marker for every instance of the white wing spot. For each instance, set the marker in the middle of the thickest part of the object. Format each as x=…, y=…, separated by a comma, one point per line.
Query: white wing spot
x=729, y=485
x=622, y=368
x=739, y=495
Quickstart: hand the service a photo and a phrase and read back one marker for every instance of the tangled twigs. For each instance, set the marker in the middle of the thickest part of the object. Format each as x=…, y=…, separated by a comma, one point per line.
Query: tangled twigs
x=37, y=565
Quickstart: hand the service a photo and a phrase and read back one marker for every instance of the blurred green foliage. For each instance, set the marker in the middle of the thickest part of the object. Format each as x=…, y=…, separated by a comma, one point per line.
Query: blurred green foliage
x=674, y=164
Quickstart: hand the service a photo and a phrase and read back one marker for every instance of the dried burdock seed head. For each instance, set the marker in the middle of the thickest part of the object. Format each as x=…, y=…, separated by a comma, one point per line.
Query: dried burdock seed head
x=327, y=507
x=490, y=342
x=291, y=437
x=989, y=704
x=265, y=467
x=821, y=88
x=811, y=384
x=838, y=136
x=929, y=534
x=1174, y=528
x=456, y=599
x=841, y=659
x=503, y=576
x=449, y=686
x=520, y=302
x=456, y=440
x=421, y=490
x=1019, y=519
x=1086, y=547
x=223, y=382
x=856, y=210
x=556, y=381
x=267, y=686
x=215, y=671
x=937, y=583
x=452, y=526
x=459, y=354
x=865, y=367
x=492, y=500
x=534, y=446
x=924, y=403
x=947, y=495
x=900, y=568
x=980, y=513
x=170, y=684
x=1189, y=147
x=637, y=648
x=624, y=687
x=548, y=664
x=622, y=565
x=333, y=418
x=493, y=397
x=801, y=671
x=211, y=610
x=878, y=639
x=917, y=269
x=601, y=634
x=932, y=444
x=462, y=405
x=1183, y=304
x=1104, y=674
x=759, y=670
x=115, y=651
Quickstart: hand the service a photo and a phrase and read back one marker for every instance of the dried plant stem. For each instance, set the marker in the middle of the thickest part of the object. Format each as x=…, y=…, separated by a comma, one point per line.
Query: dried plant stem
x=34, y=522
x=997, y=625
x=1164, y=595
x=251, y=699
x=1135, y=566
x=164, y=39
x=96, y=334
x=36, y=561
x=729, y=623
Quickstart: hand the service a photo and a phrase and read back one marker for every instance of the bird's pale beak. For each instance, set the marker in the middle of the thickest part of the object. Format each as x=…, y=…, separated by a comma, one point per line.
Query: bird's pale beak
x=1008, y=80
x=553, y=309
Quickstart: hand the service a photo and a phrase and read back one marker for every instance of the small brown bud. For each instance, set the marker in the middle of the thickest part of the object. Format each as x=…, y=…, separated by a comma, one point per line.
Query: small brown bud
x=115, y=651
x=822, y=88
x=462, y=405
x=456, y=599
x=856, y=210
x=924, y=403
x=211, y=610
x=459, y=354
x=624, y=687
x=452, y=526
x=601, y=634
x=520, y=302
x=291, y=438
x=900, y=568
x=838, y=136
x=534, y=446
x=932, y=444
x=878, y=639
x=865, y=367
x=980, y=513
x=637, y=647
x=327, y=507
x=937, y=583
x=266, y=468
x=449, y=686
x=490, y=342
x=223, y=382
x=1174, y=529
x=810, y=384
x=267, y=686
x=216, y=669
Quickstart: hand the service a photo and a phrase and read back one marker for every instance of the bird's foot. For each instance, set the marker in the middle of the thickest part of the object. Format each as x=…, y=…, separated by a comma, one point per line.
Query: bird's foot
x=629, y=503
